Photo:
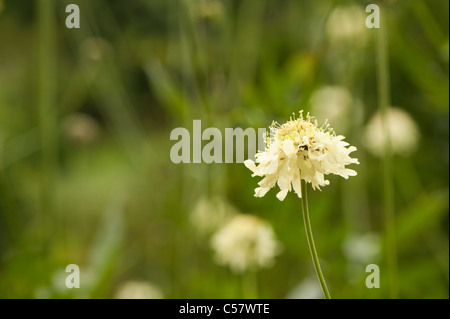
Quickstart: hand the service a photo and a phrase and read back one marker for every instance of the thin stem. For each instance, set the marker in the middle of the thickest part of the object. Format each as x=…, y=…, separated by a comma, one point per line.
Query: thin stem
x=250, y=285
x=388, y=196
x=309, y=237
x=47, y=109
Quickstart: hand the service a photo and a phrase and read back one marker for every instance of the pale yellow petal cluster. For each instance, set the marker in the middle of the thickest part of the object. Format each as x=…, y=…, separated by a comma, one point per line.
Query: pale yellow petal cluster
x=246, y=242
x=300, y=149
x=403, y=133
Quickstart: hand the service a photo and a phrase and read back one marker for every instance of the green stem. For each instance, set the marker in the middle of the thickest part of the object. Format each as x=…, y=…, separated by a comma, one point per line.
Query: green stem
x=388, y=196
x=250, y=285
x=47, y=110
x=309, y=237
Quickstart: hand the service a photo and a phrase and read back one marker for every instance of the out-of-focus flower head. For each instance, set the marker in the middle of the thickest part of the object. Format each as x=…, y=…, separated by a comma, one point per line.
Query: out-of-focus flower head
x=138, y=290
x=208, y=9
x=347, y=25
x=360, y=251
x=301, y=149
x=81, y=129
x=308, y=288
x=403, y=133
x=57, y=287
x=211, y=213
x=337, y=104
x=94, y=48
x=245, y=243
x=363, y=249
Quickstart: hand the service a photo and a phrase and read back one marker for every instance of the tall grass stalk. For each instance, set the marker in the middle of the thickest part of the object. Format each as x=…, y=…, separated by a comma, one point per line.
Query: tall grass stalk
x=47, y=106
x=387, y=183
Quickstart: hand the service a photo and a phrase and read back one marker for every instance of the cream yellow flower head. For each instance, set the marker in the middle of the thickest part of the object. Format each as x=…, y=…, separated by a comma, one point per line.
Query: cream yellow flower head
x=300, y=149
x=337, y=104
x=211, y=213
x=403, y=134
x=246, y=242
x=138, y=290
x=347, y=25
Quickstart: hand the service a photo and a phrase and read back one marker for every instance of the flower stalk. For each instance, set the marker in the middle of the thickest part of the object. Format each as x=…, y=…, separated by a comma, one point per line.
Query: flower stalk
x=388, y=195
x=250, y=284
x=310, y=239
x=300, y=152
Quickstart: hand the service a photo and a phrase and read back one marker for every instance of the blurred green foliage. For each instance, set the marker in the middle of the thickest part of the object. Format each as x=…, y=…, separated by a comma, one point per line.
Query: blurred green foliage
x=85, y=120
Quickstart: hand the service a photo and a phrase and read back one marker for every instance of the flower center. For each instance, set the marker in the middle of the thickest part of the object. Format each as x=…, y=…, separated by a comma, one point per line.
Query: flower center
x=299, y=131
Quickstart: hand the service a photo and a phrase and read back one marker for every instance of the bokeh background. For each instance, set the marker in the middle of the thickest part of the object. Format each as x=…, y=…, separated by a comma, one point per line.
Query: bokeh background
x=85, y=120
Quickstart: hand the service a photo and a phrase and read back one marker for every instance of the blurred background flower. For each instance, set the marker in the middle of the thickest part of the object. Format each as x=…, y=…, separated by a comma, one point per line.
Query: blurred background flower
x=245, y=243
x=338, y=106
x=138, y=290
x=308, y=288
x=403, y=133
x=211, y=213
x=80, y=129
x=208, y=9
x=364, y=249
x=347, y=25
